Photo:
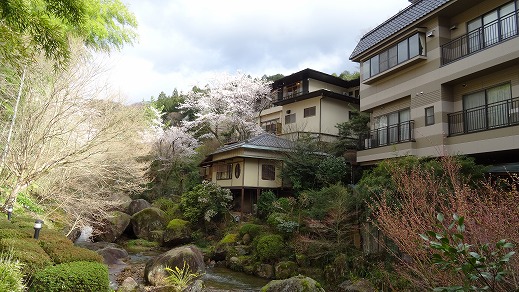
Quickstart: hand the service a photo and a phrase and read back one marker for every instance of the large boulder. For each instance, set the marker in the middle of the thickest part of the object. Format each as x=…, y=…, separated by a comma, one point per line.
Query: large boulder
x=294, y=284
x=147, y=222
x=137, y=206
x=191, y=255
x=176, y=233
x=113, y=227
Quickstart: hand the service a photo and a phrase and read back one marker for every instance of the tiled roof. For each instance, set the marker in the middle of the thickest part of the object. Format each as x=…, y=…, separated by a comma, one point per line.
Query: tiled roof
x=265, y=141
x=396, y=23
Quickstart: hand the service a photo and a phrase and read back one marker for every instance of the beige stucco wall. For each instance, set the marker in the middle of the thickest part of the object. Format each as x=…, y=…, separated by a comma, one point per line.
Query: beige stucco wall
x=314, y=85
x=271, y=114
x=309, y=124
x=332, y=113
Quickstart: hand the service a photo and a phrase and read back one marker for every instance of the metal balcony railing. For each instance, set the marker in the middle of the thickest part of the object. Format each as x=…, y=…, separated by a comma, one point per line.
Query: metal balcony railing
x=292, y=95
x=489, y=35
x=483, y=118
x=393, y=134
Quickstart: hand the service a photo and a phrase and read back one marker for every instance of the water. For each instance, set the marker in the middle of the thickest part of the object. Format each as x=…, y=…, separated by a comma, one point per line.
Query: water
x=217, y=278
x=86, y=233
x=228, y=280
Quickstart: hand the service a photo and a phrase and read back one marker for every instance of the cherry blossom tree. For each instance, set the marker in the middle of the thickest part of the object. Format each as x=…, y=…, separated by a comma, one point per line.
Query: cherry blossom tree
x=226, y=109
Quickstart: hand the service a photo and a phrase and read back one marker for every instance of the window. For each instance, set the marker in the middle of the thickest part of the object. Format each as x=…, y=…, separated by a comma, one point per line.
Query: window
x=393, y=127
x=268, y=172
x=357, y=93
x=237, y=170
x=403, y=53
x=406, y=49
x=290, y=118
x=487, y=108
x=224, y=171
x=270, y=126
x=492, y=27
x=429, y=116
x=309, y=112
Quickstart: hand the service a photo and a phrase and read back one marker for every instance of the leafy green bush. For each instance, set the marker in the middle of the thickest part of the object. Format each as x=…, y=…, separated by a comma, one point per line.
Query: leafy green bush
x=270, y=247
x=282, y=223
x=265, y=201
x=481, y=266
x=206, y=202
x=251, y=229
x=170, y=207
x=74, y=276
x=332, y=170
x=27, y=251
x=11, y=275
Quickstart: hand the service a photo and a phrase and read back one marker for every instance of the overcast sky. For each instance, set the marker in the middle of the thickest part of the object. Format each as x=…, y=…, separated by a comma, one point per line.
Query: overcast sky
x=183, y=43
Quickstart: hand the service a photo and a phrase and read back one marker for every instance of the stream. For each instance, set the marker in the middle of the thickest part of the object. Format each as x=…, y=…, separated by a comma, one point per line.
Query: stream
x=215, y=279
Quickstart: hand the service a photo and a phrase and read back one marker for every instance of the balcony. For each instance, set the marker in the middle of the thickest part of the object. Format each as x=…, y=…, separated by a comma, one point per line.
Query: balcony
x=480, y=39
x=393, y=134
x=496, y=115
x=291, y=95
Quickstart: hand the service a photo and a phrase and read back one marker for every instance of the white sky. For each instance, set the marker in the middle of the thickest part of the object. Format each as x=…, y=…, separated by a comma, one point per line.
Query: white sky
x=183, y=43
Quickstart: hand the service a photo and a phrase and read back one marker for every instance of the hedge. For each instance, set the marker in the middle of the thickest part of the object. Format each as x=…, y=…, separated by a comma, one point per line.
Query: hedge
x=74, y=276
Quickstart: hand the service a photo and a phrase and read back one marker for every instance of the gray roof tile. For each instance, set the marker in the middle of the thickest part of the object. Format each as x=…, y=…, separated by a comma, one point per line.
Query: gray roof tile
x=401, y=20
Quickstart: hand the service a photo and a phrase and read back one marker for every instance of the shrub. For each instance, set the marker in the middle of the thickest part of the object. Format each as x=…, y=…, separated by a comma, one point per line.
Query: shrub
x=282, y=223
x=270, y=247
x=74, y=276
x=421, y=194
x=170, y=207
x=27, y=251
x=206, y=202
x=251, y=229
x=11, y=275
x=265, y=201
x=61, y=250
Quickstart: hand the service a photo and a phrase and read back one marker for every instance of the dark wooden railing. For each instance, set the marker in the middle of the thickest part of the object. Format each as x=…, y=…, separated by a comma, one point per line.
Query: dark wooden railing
x=393, y=134
x=483, y=118
x=489, y=35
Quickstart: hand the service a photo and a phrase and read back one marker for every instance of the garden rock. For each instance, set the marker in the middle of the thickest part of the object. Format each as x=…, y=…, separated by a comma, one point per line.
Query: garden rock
x=361, y=285
x=146, y=221
x=294, y=284
x=154, y=272
x=265, y=271
x=113, y=227
x=286, y=269
x=138, y=205
x=176, y=233
x=113, y=255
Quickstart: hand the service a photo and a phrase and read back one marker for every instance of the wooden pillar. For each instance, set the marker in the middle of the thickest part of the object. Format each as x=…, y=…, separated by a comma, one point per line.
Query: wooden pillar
x=255, y=212
x=242, y=202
